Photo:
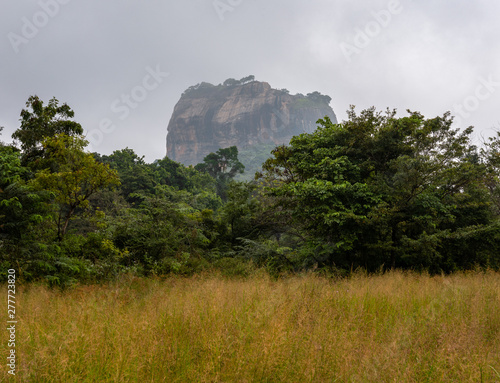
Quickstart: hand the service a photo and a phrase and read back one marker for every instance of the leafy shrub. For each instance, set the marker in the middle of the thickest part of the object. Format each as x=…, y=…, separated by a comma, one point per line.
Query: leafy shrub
x=234, y=267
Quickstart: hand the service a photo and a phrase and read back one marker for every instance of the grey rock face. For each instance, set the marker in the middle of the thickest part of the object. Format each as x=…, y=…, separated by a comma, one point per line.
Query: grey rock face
x=209, y=117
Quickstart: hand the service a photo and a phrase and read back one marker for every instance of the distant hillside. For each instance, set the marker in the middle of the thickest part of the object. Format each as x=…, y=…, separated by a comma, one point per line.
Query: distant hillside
x=242, y=112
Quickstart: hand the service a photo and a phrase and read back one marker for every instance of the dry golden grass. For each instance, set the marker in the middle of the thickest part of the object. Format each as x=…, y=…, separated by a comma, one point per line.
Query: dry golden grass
x=395, y=327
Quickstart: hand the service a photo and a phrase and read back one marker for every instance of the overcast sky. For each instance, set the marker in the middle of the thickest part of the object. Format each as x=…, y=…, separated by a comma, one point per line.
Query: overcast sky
x=123, y=65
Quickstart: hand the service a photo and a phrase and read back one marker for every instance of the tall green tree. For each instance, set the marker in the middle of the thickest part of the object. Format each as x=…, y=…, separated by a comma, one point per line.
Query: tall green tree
x=163, y=236
x=24, y=213
x=491, y=155
x=38, y=122
x=240, y=210
x=377, y=190
x=76, y=177
x=223, y=166
x=135, y=175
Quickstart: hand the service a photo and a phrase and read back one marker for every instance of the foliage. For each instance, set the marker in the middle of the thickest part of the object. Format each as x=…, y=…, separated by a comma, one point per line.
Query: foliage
x=379, y=190
x=239, y=211
x=161, y=236
x=41, y=122
x=491, y=155
x=23, y=212
x=10, y=166
x=375, y=192
x=76, y=176
x=135, y=175
x=247, y=79
x=318, y=97
x=231, y=82
x=198, y=89
x=139, y=179
x=223, y=166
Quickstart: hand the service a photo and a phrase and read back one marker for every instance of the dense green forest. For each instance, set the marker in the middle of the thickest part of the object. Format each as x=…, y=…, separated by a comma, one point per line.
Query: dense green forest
x=375, y=192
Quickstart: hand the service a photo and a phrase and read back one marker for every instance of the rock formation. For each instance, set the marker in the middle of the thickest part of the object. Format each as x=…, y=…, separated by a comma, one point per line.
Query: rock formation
x=241, y=113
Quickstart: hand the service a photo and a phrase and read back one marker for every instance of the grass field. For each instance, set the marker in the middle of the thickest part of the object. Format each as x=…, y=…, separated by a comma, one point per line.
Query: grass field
x=395, y=327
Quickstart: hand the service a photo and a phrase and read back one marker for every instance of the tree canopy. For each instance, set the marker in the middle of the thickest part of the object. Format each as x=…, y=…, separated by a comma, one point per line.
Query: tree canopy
x=380, y=191
x=40, y=122
x=223, y=166
x=376, y=192
x=76, y=177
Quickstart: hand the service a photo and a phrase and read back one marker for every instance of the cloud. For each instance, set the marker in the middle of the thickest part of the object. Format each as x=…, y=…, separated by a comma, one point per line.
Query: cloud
x=427, y=58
